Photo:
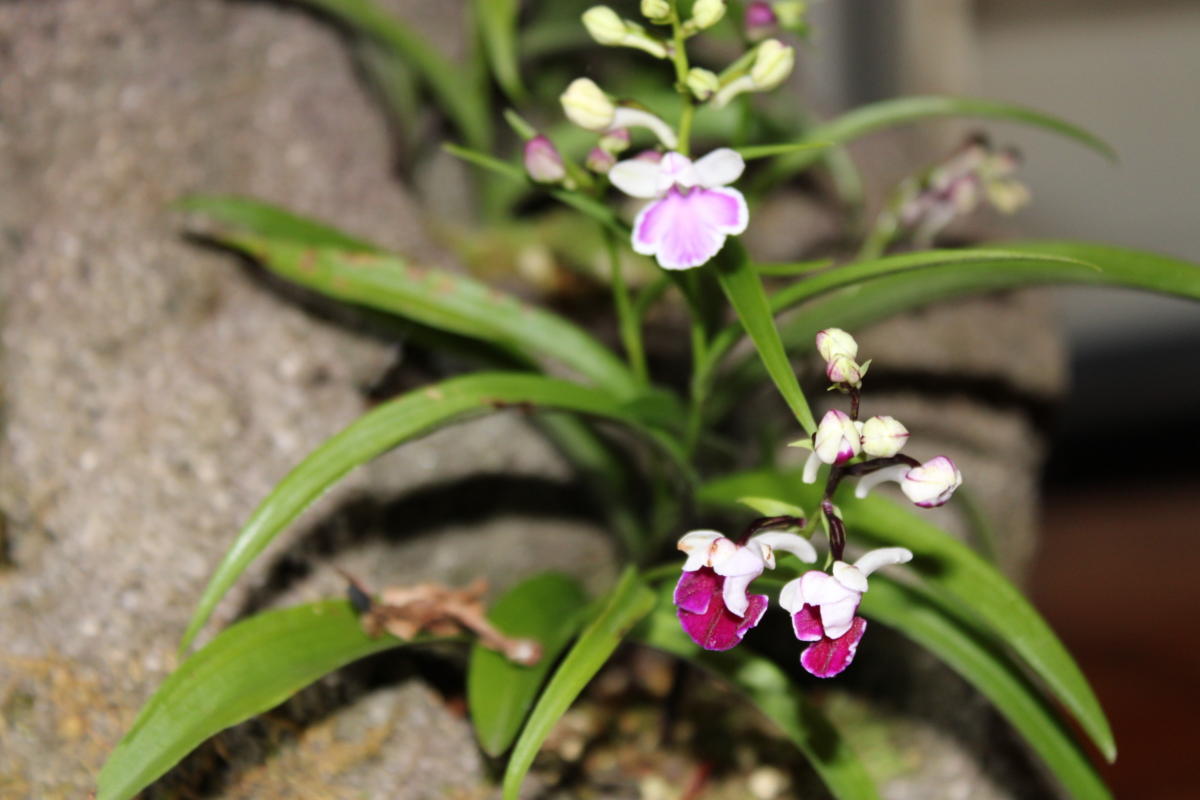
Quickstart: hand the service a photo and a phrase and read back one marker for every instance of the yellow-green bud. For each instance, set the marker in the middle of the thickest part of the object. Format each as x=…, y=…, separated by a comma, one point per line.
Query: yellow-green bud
x=587, y=105
x=706, y=13
x=772, y=64
x=790, y=13
x=604, y=26
x=658, y=11
x=702, y=83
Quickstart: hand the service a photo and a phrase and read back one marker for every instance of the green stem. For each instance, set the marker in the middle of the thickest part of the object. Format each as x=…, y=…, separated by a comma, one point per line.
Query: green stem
x=698, y=386
x=627, y=318
x=679, y=57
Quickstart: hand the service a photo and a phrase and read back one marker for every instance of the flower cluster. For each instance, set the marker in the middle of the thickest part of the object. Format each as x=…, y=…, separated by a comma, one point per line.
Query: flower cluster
x=713, y=599
x=842, y=438
x=975, y=174
x=693, y=208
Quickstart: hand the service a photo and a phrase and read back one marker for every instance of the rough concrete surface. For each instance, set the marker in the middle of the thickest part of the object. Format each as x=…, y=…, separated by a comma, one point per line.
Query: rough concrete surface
x=155, y=390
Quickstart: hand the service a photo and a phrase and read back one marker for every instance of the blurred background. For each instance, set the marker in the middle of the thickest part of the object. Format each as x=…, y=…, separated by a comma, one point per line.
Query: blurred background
x=1119, y=551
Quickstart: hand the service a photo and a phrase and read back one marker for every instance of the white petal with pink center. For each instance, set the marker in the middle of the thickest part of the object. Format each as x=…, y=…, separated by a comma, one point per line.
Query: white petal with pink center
x=694, y=210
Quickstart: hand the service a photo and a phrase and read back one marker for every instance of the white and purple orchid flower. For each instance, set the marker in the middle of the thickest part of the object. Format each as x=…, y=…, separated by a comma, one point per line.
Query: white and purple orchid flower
x=824, y=609
x=693, y=210
x=837, y=440
x=712, y=599
x=927, y=485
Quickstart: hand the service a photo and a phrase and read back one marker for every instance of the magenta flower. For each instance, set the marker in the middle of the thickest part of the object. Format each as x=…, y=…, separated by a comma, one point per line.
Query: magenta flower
x=712, y=599
x=693, y=209
x=824, y=609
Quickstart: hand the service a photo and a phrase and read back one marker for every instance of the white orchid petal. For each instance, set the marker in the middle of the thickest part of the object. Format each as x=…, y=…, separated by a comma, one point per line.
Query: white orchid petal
x=738, y=562
x=637, y=118
x=811, y=467
x=869, y=482
x=882, y=557
x=699, y=548
x=791, y=598
x=820, y=588
x=721, y=167
x=850, y=576
x=836, y=618
x=789, y=543
x=636, y=177
x=734, y=593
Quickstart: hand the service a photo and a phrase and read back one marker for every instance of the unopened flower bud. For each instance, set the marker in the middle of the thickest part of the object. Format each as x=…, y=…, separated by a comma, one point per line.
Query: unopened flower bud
x=600, y=160
x=932, y=483
x=702, y=83
x=616, y=141
x=790, y=12
x=706, y=13
x=883, y=436
x=837, y=439
x=657, y=11
x=772, y=64
x=587, y=105
x=607, y=28
x=542, y=161
x=759, y=19
x=845, y=370
x=836, y=342
x=604, y=25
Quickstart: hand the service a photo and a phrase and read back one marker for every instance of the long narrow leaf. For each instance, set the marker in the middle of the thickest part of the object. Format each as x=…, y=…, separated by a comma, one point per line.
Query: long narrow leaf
x=254, y=216
x=547, y=608
x=954, y=572
x=497, y=21
x=881, y=297
x=441, y=300
x=744, y=289
x=246, y=670
x=888, y=113
x=776, y=697
x=986, y=261
x=458, y=95
x=407, y=417
x=628, y=602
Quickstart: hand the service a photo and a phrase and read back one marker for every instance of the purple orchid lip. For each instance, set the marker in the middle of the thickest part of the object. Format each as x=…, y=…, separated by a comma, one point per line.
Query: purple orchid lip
x=703, y=615
x=829, y=657
x=688, y=226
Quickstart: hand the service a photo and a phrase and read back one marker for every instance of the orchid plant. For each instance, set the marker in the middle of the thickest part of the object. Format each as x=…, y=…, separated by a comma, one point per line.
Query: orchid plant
x=667, y=222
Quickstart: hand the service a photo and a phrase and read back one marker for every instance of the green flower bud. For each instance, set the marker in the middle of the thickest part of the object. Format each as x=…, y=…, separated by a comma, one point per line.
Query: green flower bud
x=706, y=13
x=702, y=83
x=657, y=11
x=772, y=64
x=604, y=26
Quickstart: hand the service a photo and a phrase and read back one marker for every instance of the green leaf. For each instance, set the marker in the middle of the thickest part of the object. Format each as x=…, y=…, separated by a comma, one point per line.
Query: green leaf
x=628, y=602
x=959, y=577
x=918, y=285
x=888, y=113
x=744, y=289
x=497, y=21
x=794, y=268
x=777, y=698
x=547, y=608
x=770, y=507
x=247, y=669
x=442, y=300
x=458, y=95
x=405, y=418
x=989, y=261
x=976, y=657
x=253, y=216
x=767, y=150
